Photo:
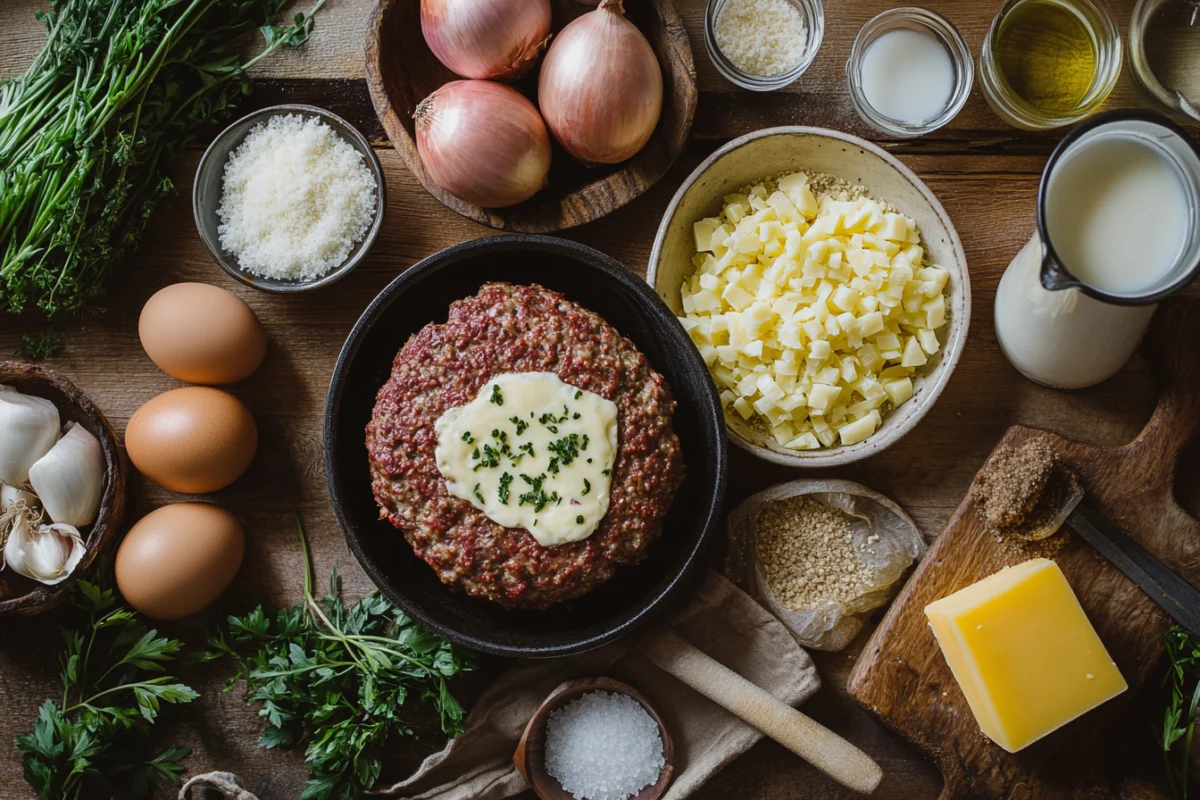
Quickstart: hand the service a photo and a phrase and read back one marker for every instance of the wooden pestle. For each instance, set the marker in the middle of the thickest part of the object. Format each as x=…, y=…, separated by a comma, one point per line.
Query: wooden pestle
x=810, y=740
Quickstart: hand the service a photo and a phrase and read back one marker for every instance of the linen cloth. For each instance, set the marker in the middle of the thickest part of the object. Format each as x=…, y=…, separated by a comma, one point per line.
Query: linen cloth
x=721, y=620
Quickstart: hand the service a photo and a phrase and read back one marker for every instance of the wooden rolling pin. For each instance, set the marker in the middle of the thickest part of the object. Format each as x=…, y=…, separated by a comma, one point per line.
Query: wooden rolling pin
x=808, y=739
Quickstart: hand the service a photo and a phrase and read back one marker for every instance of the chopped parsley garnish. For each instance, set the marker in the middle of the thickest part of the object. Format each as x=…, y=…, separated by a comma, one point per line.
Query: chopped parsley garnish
x=566, y=449
x=606, y=472
x=491, y=458
x=505, y=447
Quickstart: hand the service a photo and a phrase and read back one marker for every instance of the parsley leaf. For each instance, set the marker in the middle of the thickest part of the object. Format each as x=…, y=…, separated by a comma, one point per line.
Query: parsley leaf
x=97, y=741
x=336, y=677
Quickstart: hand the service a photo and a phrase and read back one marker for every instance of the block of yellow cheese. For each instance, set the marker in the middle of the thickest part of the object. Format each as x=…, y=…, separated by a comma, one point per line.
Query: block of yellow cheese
x=1024, y=652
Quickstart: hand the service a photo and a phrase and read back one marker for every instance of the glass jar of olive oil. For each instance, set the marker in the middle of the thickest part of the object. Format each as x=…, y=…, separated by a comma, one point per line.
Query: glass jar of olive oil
x=1048, y=63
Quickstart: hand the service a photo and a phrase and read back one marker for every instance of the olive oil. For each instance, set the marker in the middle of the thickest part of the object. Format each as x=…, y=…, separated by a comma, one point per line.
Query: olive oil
x=1046, y=54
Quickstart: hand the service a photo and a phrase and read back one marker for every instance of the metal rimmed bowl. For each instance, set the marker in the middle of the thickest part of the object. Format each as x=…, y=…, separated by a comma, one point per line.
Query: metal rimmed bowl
x=423, y=295
x=206, y=196
x=769, y=153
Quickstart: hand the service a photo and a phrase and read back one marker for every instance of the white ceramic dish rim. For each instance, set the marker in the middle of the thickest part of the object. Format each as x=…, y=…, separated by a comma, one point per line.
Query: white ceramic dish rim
x=933, y=383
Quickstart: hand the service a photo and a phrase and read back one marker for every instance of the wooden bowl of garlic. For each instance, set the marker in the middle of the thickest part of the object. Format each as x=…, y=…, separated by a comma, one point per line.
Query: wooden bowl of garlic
x=62, y=487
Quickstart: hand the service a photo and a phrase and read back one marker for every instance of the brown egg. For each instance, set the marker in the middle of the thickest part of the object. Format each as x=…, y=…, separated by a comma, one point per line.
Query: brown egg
x=178, y=559
x=192, y=440
x=202, y=334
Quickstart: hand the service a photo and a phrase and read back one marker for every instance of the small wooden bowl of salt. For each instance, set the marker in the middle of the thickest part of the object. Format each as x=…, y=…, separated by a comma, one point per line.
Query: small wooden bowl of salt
x=596, y=738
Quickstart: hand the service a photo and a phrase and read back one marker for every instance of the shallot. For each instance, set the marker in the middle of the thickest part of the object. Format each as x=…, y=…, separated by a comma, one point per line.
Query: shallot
x=486, y=38
x=483, y=142
x=600, y=88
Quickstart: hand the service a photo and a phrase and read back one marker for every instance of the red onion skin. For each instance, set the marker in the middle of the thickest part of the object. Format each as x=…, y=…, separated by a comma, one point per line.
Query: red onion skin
x=483, y=142
x=600, y=88
x=486, y=39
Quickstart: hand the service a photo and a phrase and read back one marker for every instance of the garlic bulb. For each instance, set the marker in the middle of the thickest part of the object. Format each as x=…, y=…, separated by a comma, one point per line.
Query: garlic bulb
x=70, y=478
x=45, y=553
x=11, y=496
x=28, y=429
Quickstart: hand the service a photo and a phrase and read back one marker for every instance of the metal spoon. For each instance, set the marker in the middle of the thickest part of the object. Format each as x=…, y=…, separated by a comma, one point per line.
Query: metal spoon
x=1175, y=595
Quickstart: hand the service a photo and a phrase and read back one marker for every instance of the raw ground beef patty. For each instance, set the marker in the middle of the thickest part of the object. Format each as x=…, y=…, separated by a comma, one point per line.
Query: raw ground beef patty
x=503, y=329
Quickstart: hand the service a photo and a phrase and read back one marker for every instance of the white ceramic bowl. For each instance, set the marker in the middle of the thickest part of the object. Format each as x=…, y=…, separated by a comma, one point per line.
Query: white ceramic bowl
x=773, y=151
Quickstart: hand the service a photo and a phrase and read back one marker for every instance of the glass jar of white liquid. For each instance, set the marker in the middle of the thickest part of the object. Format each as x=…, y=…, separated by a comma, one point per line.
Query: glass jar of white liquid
x=1118, y=231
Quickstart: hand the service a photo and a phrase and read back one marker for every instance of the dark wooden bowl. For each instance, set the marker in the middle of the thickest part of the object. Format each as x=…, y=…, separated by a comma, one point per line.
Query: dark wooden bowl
x=402, y=71
x=19, y=595
x=530, y=757
x=423, y=295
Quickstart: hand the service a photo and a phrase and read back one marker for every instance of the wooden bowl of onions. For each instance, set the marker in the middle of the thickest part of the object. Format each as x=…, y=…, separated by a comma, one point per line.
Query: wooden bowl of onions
x=529, y=162
x=25, y=388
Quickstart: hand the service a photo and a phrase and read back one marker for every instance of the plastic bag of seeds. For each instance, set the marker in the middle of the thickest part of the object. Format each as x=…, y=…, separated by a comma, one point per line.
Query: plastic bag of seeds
x=820, y=555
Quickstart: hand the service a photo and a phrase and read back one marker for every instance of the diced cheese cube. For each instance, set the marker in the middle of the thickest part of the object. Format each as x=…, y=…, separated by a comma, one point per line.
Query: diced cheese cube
x=913, y=356
x=736, y=295
x=805, y=441
x=822, y=396
x=855, y=432
x=929, y=341
x=899, y=390
x=703, y=230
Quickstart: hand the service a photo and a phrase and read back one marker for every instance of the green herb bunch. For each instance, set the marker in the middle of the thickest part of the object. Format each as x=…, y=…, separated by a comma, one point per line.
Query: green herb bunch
x=338, y=677
x=1179, y=723
x=95, y=742
x=88, y=132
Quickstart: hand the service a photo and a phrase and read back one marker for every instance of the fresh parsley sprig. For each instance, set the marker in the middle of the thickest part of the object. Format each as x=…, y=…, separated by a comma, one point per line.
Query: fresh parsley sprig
x=338, y=676
x=94, y=742
x=1179, y=722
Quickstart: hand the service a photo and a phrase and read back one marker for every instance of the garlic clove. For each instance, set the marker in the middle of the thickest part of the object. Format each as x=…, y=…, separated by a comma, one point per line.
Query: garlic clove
x=45, y=553
x=28, y=429
x=69, y=479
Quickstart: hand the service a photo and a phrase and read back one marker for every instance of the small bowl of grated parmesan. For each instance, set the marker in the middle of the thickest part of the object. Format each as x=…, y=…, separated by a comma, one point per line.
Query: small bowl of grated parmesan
x=289, y=198
x=763, y=45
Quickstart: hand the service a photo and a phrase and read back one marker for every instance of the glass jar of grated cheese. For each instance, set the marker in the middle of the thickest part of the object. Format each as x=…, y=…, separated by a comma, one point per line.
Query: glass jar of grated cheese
x=763, y=45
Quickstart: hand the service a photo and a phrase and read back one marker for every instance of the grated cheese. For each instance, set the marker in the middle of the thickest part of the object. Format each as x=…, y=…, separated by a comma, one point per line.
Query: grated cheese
x=761, y=37
x=296, y=199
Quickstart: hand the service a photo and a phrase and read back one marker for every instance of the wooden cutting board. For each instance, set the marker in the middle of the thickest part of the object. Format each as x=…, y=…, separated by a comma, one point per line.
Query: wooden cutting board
x=902, y=677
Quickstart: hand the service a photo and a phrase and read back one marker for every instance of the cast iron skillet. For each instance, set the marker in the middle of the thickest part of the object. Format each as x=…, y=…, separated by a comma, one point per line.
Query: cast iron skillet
x=422, y=295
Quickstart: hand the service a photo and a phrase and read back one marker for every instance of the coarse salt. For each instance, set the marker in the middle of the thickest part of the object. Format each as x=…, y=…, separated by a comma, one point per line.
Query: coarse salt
x=761, y=37
x=296, y=199
x=603, y=746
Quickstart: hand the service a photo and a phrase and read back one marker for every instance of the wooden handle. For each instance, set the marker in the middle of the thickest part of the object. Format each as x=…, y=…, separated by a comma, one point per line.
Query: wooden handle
x=1176, y=359
x=810, y=740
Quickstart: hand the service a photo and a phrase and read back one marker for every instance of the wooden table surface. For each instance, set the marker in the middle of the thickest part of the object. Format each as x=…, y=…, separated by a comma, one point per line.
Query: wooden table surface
x=985, y=173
